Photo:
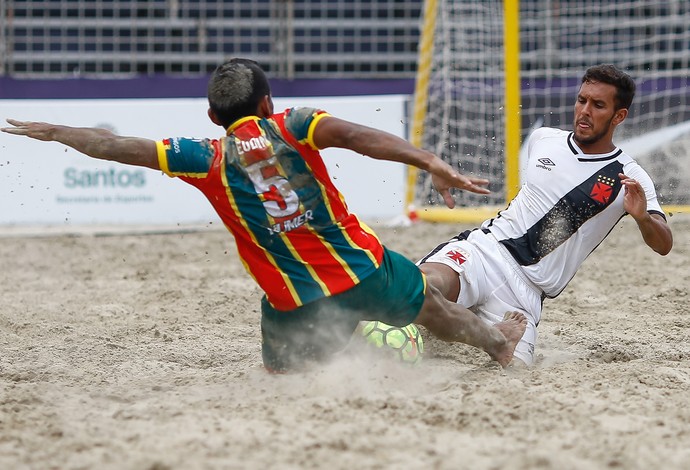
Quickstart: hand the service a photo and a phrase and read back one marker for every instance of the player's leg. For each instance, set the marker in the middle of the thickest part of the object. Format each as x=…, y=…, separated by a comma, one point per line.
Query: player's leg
x=445, y=279
x=458, y=270
x=451, y=322
x=524, y=349
x=396, y=294
x=312, y=334
x=511, y=293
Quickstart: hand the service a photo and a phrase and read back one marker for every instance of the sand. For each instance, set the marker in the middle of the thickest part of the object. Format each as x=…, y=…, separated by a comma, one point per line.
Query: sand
x=131, y=350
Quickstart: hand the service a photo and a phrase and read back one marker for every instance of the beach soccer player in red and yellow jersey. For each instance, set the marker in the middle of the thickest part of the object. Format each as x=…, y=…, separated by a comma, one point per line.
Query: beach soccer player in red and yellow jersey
x=321, y=268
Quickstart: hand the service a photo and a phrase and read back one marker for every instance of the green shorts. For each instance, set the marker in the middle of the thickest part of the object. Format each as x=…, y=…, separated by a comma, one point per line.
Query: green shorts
x=314, y=332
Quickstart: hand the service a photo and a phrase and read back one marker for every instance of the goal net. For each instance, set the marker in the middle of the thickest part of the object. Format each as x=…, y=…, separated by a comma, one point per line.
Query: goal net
x=473, y=66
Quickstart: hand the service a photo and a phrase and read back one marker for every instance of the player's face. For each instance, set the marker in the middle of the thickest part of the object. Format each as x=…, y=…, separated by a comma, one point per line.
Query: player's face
x=595, y=117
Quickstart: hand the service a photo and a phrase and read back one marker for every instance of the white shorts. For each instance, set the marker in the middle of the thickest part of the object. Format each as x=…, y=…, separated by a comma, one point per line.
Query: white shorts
x=492, y=283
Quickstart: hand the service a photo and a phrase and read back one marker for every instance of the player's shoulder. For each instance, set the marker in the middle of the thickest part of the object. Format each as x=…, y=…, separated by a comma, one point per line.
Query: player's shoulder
x=548, y=133
x=625, y=159
x=631, y=167
x=301, y=113
x=300, y=122
x=547, y=138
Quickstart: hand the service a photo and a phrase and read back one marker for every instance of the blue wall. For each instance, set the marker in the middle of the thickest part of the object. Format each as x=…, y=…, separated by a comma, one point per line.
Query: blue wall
x=193, y=87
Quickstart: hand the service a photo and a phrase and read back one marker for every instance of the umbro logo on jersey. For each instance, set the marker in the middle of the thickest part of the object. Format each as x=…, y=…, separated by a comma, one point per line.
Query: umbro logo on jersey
x=546, y=163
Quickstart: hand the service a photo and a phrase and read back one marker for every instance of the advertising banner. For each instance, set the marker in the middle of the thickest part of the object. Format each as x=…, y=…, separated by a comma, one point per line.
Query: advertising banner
x=50, y=184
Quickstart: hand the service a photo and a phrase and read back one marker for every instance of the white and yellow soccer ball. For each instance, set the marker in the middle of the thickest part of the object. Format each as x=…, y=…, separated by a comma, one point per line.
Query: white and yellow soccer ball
x=405, y=343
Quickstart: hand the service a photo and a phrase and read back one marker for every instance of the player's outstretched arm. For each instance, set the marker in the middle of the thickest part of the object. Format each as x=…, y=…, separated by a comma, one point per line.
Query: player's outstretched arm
x=96, y=143
x=334, y=132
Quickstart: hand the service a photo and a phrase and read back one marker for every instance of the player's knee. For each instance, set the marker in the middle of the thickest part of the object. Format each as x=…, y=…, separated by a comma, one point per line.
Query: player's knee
x=443, y=278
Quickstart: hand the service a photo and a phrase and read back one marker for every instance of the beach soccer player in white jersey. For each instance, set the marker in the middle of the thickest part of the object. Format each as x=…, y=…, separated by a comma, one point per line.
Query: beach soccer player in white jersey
x=577, y=186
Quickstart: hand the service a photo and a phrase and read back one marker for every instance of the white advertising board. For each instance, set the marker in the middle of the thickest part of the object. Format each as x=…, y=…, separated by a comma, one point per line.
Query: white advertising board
x=50, y=184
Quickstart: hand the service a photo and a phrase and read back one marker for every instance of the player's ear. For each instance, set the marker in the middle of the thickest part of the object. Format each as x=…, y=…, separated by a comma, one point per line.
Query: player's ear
x=620, y=116
x=214, y=119
x=265, y=106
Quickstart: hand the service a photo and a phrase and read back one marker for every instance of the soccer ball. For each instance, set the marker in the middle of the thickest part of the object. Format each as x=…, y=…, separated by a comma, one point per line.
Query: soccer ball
x=404, y=343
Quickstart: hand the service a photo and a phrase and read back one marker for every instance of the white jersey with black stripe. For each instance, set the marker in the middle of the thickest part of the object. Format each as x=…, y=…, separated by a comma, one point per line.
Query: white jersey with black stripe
x=569, y=202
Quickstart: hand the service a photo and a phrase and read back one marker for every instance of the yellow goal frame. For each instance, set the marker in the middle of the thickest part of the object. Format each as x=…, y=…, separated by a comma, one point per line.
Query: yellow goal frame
x=511, y=59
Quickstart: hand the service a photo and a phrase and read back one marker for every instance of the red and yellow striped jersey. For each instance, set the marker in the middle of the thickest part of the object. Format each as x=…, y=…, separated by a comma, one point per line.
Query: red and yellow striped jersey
x=270, y=187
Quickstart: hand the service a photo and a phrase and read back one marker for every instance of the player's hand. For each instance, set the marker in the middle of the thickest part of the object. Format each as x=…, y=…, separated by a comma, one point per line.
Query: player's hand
x=35, y=130
x=635, y=200
x=450, y=178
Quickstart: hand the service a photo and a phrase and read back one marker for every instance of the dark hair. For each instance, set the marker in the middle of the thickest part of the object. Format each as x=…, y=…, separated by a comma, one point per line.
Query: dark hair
x=235, y=90
x=612, y=75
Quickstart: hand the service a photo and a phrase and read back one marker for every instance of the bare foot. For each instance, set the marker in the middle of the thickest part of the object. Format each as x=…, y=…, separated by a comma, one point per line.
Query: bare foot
x=513, y=327
x=517, y=364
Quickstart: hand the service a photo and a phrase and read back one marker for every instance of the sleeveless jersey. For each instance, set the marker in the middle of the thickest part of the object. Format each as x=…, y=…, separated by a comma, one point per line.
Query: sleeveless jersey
x=568, y=204
x=270, y=187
